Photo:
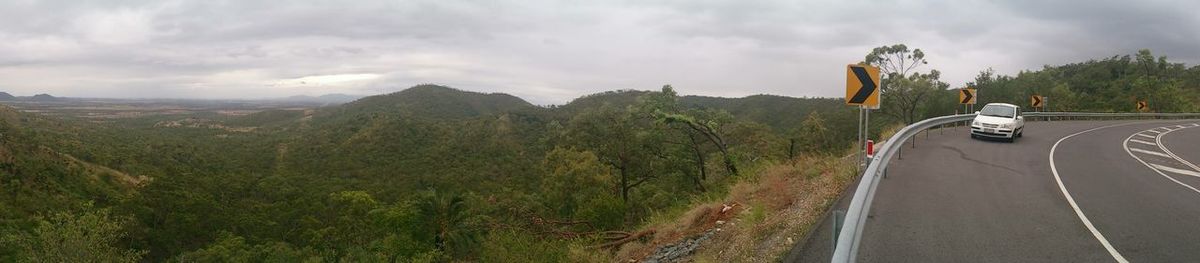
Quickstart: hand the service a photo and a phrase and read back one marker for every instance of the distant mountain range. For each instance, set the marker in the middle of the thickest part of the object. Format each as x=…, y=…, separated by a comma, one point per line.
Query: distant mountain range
x=445, y=104
x=336, y=98
x=440, y=102
x=43, y=97
x=4, y=96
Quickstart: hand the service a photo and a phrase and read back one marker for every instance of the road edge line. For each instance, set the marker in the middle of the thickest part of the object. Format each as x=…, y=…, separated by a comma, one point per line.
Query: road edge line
x=1070, y=200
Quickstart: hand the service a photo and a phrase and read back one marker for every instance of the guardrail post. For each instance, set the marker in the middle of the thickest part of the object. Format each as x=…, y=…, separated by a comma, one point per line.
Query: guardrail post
x=839, y=218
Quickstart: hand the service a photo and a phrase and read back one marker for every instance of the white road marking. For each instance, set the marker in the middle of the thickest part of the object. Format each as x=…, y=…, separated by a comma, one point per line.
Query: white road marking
x=1150, y=152
x=1163, y=147
x=1125, y=145
x=1147, y=136
x=1143, y=142
x=1139, y=159
x=1070, y=200
x=1154, y=131
x=1180, y=126
x=1175, y=170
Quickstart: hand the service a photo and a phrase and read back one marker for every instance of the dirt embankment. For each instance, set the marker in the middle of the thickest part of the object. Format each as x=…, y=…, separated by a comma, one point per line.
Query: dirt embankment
x=758, y=221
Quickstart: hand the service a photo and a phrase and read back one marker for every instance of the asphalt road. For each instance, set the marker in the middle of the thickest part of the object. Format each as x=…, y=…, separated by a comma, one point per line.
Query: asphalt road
x=957, y=199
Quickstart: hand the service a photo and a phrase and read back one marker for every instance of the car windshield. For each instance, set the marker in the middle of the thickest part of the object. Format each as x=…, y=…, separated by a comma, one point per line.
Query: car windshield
x=998, y=111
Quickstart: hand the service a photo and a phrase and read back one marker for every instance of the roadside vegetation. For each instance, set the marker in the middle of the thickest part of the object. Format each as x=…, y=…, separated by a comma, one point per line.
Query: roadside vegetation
x=435, y=174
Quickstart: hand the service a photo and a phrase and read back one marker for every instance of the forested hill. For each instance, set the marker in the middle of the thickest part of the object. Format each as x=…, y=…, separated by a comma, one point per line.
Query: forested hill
x=481, y=141
x=433, y=102
x=779, y=112
x=35, y=178
x=439, y=103
x=1112, y=84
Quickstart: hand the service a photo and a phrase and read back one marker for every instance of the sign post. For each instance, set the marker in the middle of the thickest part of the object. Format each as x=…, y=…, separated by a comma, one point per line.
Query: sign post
x=862, y=90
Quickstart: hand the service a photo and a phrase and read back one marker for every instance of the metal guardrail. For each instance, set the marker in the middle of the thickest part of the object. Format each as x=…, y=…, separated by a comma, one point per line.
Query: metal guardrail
x=856, y=215
x=1107, y=114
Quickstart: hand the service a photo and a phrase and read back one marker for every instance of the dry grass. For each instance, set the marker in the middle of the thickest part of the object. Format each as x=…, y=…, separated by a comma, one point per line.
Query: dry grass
x=771, y=209
x=889, y=131
x=784, y=204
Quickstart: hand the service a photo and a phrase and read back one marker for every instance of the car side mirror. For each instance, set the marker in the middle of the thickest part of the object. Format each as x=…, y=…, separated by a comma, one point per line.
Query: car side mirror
x=1020, y=118
x=976, y=112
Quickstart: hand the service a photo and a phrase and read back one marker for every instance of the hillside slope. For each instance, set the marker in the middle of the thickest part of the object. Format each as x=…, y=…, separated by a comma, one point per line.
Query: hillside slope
x=36, y=178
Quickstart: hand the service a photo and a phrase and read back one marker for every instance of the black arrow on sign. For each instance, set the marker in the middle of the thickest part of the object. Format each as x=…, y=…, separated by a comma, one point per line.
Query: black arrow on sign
x=868, y=86
x=968, y=96
x=1037, y=101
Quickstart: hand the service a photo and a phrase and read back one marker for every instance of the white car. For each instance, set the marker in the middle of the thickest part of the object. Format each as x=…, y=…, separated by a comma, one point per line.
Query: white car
x=998, y=120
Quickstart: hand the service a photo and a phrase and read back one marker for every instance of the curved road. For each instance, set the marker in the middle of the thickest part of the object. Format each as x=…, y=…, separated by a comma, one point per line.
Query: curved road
x=1124, y=191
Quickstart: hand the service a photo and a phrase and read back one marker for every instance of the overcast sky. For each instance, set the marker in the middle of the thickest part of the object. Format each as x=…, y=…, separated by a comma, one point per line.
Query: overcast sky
x=549, y=52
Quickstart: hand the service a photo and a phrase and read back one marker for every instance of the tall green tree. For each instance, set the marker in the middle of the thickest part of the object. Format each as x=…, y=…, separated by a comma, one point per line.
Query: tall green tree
x=620, y=139
x=700, y=125
x=905, y=90
x=811, y=137
x=573, y=179
x=449, y=224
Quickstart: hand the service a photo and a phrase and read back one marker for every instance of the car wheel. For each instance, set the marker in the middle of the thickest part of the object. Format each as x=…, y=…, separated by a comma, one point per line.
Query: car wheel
x=1021, y=133
x=1012, y=139
x=973, y=136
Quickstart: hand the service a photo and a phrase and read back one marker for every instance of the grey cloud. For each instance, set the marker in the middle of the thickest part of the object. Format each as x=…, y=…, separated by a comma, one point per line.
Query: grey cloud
x=549, y=51
x=1166, y=27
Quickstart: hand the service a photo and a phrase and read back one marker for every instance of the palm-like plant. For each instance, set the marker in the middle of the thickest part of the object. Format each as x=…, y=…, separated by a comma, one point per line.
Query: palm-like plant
x=445, y=217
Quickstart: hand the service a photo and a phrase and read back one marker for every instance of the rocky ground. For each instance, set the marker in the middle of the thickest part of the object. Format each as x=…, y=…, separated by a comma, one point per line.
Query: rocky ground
x=680, y=250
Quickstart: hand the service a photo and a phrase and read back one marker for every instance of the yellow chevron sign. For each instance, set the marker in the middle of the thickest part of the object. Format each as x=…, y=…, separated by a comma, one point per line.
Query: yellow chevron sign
x=966, y=96
x=862, y=85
